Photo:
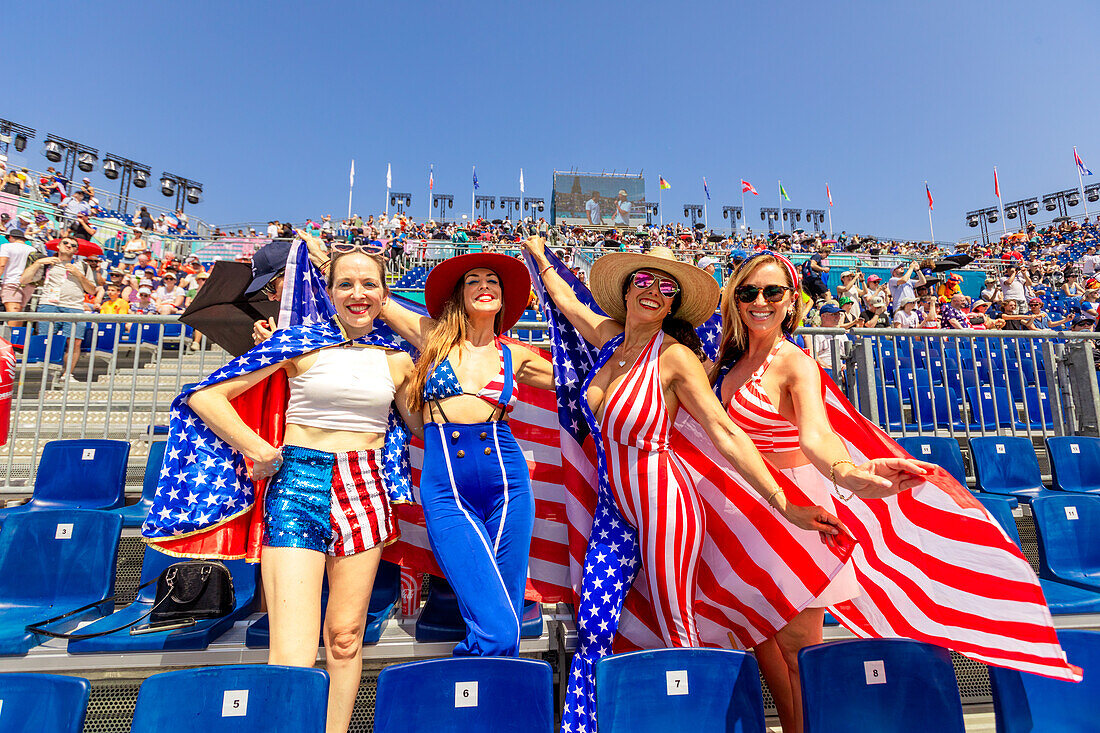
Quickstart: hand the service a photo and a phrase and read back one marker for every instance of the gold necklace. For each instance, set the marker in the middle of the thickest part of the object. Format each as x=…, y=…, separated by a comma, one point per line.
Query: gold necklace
x=622, y=361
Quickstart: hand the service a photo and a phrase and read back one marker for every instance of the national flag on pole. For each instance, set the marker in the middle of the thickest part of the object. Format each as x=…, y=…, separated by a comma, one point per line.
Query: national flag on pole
x=1080, y=164
x=705, y=190
x=476, y=187
x=828, y=194
x=996, y=183
x=663, y=183
x=929, y=192
x=431, y=177
x=521, y=188
x=389, y=178
x=783, y=192
x=352, y=177
x=747, y=187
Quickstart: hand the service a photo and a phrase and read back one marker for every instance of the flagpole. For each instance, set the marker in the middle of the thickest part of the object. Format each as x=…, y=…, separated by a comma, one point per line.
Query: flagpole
x=1000, y=204
x=744, y=213
x=660, y=202
x=387, y=212
x=931, y=231
x=351, y=185
x=782, y=228
x=1080, y=182
x=473, y=206
x=521, y=187
x=431, y=181
x=829, y=209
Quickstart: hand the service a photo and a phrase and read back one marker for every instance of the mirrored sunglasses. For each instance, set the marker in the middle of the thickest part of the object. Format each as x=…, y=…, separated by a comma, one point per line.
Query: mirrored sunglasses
x=666, y=286
x=772, y=293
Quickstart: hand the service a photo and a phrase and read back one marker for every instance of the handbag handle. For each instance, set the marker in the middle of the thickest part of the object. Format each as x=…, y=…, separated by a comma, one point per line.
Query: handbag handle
x=36, y=628
x=170, y=580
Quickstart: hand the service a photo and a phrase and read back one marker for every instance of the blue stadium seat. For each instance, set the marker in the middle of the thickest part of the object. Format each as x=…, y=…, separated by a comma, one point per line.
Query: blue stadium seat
x=884, y=685
x=245, y=698
x=1039, y=412
x=1025, y=703
x=991, y=408
x=51, y=562
x=1075, y=464
x=937, y=407
x=88, y=473
x=1006, y=465
x=944, y=452
x=1068, y=529
x=1061, y=598
x=385, y=596
x=194, y=637
x=134, y=515
x=43, y=702
x=36, y=349
x=891, y=414
x=679, y=689
x=466, y=694
x=441, y=620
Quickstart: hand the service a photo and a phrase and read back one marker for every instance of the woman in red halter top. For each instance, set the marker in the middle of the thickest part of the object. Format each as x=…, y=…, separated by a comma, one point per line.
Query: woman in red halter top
x=772, y=390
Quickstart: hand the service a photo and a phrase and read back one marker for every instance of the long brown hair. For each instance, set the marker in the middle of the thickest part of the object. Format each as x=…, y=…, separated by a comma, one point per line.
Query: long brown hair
x=735, y=339
x=449, y=331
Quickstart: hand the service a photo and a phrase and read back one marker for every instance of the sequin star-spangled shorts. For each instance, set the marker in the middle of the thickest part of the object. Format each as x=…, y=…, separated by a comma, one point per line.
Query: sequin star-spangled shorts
x=330, y=502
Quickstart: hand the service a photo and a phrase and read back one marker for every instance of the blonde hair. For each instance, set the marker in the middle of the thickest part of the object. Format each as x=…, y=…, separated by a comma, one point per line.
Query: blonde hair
x=449, y=331
x=735, y=339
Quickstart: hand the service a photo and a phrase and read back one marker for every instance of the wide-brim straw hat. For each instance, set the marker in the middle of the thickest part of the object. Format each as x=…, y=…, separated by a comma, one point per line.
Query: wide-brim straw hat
x=699, y=291
x=515, y=283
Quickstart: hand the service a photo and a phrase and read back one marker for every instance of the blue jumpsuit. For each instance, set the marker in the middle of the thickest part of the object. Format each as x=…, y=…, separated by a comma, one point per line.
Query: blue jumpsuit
x=475, y=488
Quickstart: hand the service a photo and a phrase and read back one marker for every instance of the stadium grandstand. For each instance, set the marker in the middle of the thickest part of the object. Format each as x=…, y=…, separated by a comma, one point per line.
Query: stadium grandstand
x=980, y=357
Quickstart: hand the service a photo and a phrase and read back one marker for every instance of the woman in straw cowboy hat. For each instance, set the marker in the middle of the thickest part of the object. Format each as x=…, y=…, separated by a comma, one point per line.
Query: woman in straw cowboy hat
x=650, y=364
x=773, y=391
x=475, y=486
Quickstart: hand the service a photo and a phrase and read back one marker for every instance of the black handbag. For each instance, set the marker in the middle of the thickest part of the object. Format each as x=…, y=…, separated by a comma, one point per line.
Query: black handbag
x=186, y=592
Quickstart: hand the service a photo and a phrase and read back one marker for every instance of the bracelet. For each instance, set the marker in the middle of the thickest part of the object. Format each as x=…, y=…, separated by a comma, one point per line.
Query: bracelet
x=543, y=270
x=832, y=475
x=772, y=495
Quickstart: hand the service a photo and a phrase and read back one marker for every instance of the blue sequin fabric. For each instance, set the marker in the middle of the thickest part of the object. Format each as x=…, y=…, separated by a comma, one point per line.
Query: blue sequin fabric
x=298, y=500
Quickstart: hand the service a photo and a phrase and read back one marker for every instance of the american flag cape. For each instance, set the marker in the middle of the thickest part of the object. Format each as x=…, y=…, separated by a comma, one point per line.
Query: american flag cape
x=755, y=572
x=205, y=503
x=534, y=425
x=933, y=565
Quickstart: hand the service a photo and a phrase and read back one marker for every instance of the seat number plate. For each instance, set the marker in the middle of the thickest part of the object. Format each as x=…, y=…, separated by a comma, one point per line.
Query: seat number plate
x=1074, y=448
x=676, y=681
x=88, y=454
x=875, y=672
x=926, y=450
x=1000, y=448
x=1071, y=512
x=64, y=532
x=466, y=694
x=234, y=703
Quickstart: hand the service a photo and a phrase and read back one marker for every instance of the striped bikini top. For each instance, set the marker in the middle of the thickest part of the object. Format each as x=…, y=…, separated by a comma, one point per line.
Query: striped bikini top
x=634, y=411
x=500, y=391
x=752, y=410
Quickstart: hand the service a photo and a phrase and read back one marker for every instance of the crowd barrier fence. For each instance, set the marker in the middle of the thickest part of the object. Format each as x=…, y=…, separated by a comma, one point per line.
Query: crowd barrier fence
x=961, y=384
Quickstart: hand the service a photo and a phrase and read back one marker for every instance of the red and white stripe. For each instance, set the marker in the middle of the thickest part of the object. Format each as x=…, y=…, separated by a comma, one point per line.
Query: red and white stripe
x=933, y=565
x=360, y=515
x=752, y=410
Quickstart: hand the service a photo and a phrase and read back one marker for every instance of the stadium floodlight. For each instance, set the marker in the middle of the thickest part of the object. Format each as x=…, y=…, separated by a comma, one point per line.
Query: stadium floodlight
x=991, y=216
x=770, y=215
x=185, y=190
x=1032, y=207
x=53, y=151
x=509, y=205
x=20, y=142
x=111, y=168
x=401, y=201
x=483, y=204
x=1092, y=193
x=194, y=193
x=535, y=204
x=972, y=220
x=141, y=178
x=443, y=201
x=10, y=131
x=126, y=171
x=1050, y=203
x=86, y=161
x=1010, y=212
x=1073, y=199
x=651, y=210
x=168, y=185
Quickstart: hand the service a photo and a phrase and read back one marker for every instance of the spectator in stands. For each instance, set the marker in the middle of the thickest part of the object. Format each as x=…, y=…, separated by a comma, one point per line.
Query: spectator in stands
x=1072, y=287
x=906, y=314
x=134, y=247
x=1013, y=284
x=113, y=302
x=272, y=229
x=849, y=314
x=1012, y=319
x=81, y=228
x=991, y=290
x=1041, y=321
x=1083, y=323
x=13, y=184
x=47, y=185
x=1090, y=261
x=142, y=302
x=144, y=269
x=979, y=316
x=953, y=314
x=815, y=272
x=75, y=205
x=169, y=297
x=13, y=261
x=822, y=343
x=851, y=285
x=901, y=285
x=145, y=219
x=65, y=282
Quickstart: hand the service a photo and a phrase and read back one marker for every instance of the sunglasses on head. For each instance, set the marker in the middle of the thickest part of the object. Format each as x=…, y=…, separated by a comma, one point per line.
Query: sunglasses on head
x=666, y=286
x=772, y=293
x=371, y=248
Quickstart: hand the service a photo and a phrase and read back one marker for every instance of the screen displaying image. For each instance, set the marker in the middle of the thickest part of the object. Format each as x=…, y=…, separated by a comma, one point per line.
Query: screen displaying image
x=596, y=200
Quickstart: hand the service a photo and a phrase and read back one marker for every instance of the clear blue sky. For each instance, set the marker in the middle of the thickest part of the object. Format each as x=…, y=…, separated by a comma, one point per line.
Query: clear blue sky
x=267, y=103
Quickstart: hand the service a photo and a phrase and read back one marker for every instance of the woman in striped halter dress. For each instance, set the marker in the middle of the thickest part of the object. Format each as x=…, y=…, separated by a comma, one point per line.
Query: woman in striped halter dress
x=773, y=391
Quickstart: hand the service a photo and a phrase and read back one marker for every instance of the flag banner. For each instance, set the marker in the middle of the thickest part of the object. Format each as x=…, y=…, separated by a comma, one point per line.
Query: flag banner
x=705, y=189
x=521, y=188
x=996, y=184
x=929, y=192
x=747, y=187
x=1080, y=164
x=476, y=187
x=352, y=177
x=389, y=178
x=431, y=177
x=663, y=183
x=828, y=194
x=783, y=192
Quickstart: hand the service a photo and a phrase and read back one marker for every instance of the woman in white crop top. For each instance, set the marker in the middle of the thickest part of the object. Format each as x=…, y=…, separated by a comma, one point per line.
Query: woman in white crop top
x=325, y=509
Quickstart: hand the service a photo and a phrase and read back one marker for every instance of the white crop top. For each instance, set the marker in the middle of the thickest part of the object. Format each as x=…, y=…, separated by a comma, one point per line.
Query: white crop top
x=345, y=389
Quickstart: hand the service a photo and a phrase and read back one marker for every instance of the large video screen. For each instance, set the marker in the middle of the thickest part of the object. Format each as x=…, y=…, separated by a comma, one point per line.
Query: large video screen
x=597, y=200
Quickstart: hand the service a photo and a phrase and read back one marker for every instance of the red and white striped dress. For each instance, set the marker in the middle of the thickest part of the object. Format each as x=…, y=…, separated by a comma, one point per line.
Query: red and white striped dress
x=655, y=494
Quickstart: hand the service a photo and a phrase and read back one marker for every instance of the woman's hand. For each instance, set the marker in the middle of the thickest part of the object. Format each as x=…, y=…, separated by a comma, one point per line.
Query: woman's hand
x=262, y=330
x=537, y=247
x=815, y=519
x=318, y=253
x=267, y=464
x=884, y=477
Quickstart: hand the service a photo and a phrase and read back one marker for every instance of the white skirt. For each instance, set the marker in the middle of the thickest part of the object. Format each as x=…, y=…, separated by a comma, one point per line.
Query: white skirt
x=818, y=489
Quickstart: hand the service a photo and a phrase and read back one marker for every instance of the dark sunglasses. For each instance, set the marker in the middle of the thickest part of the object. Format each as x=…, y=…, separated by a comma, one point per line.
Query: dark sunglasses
x=371, y=248
x=772, y=293
x=666, y=286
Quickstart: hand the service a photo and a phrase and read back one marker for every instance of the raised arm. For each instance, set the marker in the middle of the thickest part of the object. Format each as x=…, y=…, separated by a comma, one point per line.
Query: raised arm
x=689, y=381
x=410, y=326
x=595, y=329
